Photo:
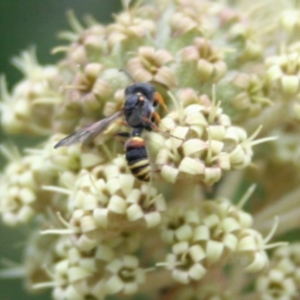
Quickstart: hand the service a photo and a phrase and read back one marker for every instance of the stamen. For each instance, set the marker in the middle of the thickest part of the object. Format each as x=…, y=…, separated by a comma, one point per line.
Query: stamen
x=246, y=196
x=56, y=189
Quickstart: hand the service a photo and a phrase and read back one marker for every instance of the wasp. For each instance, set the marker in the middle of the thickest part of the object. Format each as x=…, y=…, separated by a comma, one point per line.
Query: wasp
x=141, y=100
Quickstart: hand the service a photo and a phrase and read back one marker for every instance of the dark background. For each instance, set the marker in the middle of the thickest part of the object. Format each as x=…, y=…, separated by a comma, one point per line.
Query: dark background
x=24, y=23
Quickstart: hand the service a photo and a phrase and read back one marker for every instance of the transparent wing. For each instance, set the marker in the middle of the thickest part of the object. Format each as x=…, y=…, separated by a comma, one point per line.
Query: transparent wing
x=88, y=133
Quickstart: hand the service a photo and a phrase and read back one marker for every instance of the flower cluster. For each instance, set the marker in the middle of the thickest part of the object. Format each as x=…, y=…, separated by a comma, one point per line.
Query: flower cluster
x=203, y=143
x=108, y=195
x=227, y=79
x=209, y=63
x=283, y=71
x=210, y=235
x=27, y=109
x=251, y=98
x=77, y=274
x=24, y=179
x=282, y=278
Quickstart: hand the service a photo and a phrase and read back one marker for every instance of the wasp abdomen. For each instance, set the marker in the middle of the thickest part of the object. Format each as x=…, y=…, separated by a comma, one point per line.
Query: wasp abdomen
x=137, y=158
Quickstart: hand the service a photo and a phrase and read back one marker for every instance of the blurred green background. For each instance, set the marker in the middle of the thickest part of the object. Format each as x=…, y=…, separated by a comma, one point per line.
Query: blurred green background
x=24, y=23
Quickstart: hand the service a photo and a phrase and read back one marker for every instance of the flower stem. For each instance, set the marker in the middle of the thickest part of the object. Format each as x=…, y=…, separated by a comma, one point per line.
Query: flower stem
x=288, y=210
x=270, y=118
x=157, y=281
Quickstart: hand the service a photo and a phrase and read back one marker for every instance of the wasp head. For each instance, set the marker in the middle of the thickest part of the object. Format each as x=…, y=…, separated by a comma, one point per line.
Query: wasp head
x=138, y=104
x=141, y=89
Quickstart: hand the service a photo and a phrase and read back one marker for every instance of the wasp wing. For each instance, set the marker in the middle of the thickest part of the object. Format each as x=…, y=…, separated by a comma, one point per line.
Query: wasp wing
x=88, y=133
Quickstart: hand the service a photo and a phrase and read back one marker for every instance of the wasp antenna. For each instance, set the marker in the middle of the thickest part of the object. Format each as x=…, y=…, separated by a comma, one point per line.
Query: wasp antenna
x=128, y=74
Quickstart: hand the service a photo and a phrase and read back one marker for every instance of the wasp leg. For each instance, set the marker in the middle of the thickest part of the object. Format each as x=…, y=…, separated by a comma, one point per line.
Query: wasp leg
x=122, y=136
x=155, y=117
x=158, y=99
x=156, y=129
x=151, y=124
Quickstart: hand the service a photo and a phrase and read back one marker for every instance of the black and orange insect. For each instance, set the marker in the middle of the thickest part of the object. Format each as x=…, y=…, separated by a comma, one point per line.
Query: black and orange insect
x=141, y=99
x=136, y=156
